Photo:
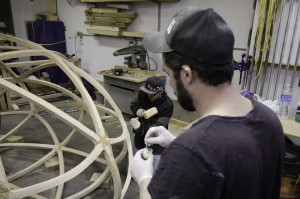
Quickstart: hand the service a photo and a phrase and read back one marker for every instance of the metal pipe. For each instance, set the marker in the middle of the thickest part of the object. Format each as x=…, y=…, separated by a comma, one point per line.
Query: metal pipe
x=265, y=67
x=296, y=60
x=244, y=81
x=158, y=16
x=295, y=66
x=261, y=52
x=291, y=47
x=275, y=49
x=283, y=48
x=251, y=69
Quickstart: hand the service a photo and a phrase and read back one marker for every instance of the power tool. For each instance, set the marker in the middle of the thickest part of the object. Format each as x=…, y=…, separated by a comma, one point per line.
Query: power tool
x=137, y=59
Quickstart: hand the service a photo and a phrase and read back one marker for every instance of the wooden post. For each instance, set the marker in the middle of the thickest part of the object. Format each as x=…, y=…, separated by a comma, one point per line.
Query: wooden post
x=4, y=186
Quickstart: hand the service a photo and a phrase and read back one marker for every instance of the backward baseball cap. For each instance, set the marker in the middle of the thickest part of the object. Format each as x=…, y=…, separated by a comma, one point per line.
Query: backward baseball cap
x=153, y=85
x=198, y=33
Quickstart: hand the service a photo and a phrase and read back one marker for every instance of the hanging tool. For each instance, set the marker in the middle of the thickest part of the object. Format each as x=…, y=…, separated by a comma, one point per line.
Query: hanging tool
x=137, y=59
x=242, y=65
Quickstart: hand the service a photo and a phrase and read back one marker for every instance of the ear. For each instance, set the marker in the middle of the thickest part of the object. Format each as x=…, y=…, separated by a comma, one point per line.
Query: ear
x=186, y=74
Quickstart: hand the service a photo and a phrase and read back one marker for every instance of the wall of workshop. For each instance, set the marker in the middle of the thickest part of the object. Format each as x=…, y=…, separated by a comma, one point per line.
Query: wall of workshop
x=96, y=52
x=285, y=50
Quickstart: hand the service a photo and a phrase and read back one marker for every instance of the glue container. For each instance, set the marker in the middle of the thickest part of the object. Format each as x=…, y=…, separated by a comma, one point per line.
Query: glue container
x=146, y=153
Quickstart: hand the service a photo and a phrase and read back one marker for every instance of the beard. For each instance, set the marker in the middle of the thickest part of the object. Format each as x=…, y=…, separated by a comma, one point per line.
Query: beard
x=184, y=98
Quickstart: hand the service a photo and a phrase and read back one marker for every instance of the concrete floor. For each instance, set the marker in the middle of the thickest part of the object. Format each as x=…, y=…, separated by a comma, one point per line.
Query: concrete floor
x=34, y=132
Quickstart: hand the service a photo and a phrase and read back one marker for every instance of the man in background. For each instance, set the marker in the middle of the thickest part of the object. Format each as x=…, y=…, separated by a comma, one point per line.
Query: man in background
x=151, y=95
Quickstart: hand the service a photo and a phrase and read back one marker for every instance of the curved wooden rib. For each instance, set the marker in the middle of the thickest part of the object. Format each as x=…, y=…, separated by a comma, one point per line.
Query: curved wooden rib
x=99, y=138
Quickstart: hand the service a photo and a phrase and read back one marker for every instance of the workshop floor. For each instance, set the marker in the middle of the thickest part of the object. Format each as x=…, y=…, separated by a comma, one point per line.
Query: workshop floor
x=17, y=159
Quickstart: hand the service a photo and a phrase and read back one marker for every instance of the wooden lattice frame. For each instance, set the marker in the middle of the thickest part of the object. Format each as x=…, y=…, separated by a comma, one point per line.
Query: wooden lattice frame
x=102, y=143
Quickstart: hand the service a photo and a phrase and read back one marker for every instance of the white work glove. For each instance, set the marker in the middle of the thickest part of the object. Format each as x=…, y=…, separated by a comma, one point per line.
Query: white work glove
x=135, y=123
x=141, y=169
x=140, y=112
x=159, y=135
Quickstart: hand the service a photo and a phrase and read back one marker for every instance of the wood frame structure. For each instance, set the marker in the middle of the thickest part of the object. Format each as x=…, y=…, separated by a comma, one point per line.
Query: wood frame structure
x=102, y=143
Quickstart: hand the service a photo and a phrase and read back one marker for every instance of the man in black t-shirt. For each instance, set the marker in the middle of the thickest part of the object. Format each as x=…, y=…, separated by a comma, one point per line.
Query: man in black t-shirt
x=151, y=95
x=235, y=150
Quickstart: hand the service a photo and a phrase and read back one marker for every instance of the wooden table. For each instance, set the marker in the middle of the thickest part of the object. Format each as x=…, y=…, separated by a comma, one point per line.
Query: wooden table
x=291, y=127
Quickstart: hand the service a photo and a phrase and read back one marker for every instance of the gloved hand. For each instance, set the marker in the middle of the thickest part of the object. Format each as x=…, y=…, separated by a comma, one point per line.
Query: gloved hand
x=140, y=112
x=140, y=168
x=135, y=123
x=159, y=135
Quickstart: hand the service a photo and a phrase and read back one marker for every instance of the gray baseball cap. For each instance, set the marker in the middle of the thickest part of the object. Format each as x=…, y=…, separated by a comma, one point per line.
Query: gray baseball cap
x=198, y=33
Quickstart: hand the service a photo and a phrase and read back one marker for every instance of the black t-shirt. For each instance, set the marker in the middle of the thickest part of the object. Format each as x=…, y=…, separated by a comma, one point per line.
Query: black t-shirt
x=224, y=157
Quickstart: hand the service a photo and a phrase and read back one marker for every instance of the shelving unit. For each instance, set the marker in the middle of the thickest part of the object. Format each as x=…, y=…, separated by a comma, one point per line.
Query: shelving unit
x=112, y=21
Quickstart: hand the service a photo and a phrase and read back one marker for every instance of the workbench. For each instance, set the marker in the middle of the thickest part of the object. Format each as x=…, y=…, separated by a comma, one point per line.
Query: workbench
x=291, y=127
x=123, y=89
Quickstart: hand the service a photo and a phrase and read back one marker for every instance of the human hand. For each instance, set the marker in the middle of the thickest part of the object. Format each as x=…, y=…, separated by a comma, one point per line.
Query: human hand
x=140, y=112
x=159, y=135
x=141, y=169
x=135, y=123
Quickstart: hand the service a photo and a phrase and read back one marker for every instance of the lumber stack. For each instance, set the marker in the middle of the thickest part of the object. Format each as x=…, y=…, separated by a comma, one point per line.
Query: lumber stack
x=110, y=22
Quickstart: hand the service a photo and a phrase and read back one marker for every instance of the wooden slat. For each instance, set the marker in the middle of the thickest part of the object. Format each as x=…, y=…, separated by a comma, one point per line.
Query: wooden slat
x=103, y=32
x=109, y=19
x=112, y=10
x=110, y=14
x=33, y=196
x=133, y=34
x=127, y=0
x=51, y=6
x=100, y=23
x=105, y=28
x=3, y=180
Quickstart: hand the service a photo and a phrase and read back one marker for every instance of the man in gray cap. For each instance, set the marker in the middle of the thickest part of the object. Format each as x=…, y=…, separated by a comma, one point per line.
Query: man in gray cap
x=236, y=148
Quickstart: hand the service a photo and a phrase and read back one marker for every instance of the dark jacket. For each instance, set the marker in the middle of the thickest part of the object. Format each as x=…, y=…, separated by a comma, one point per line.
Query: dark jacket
x=164, y=107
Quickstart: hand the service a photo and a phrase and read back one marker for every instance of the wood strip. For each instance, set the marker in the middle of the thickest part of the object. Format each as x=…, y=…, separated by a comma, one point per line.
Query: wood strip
x=33, y=196
x=109, y=28
x=109, y=19
x=52, y=6
x=133, y=34
x=110, y=14
x=100, y=10
x=100, y=23
x=127, y=0
x=12, y=48
x=3, y=180
x=103, y=32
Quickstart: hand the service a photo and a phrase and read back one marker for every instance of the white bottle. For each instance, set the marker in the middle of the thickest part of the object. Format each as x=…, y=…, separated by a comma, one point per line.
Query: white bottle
x=285, y=103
